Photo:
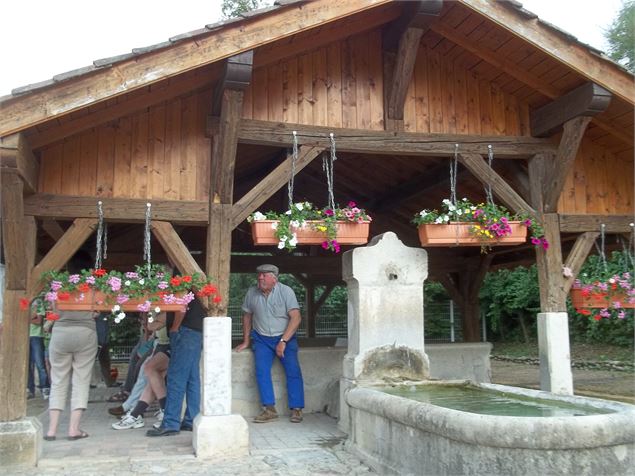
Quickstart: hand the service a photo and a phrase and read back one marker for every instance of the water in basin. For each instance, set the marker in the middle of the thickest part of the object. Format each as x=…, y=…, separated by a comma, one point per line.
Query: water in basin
x=469, y=398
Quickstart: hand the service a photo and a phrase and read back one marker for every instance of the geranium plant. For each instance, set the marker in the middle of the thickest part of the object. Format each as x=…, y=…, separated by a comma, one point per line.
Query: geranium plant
x=490, y=221
x=305, y=214
x=612, y=290
x=155, y=287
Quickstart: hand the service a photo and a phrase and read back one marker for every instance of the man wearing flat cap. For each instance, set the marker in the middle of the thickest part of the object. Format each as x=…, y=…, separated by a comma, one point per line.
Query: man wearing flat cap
x=271, y=316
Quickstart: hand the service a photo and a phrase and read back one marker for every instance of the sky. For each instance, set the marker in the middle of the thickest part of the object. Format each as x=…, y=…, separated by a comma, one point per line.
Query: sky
x=42, y=38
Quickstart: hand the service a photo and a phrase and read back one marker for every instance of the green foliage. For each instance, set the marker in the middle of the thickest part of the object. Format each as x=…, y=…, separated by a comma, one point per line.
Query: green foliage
x=233, y=8
x=621, y=36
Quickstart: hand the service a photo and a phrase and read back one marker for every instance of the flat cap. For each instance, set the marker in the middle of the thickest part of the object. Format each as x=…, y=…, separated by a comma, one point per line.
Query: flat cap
x=268, y=268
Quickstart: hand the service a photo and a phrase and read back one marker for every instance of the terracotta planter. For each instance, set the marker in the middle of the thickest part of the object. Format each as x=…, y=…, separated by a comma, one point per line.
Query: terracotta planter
x=348, y=233
x=598, y=300
x=459, y=234
x=98, y=301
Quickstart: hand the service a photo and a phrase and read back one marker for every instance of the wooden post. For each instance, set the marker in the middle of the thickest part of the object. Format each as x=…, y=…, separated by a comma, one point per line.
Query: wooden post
x=310, y=309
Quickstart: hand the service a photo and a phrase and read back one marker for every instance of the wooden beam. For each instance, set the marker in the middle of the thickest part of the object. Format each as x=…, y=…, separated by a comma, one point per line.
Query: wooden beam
x=518, y=73
x=389, y=143
x=218, y=254
x=487, y=175
x=142, y=70
x=53, y=229
x=236, y=77
x=537, y=172
x=586, y=100
x=565, y=159
x=127, y=210
x=400, y=44
x=149, y=97
x=578, y=255
x=549, y=263
x=62, y=251
x=570, y=223
x=271, y=184
x=175, y=248
x=575, y=55
x=12, y=213
x=17, y=156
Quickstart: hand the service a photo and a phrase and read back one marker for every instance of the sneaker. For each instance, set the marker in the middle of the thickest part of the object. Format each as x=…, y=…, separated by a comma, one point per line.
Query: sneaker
x=269, y=414
x=45, y=393
x=296, y=415
x=157, y=424
x=128, y=422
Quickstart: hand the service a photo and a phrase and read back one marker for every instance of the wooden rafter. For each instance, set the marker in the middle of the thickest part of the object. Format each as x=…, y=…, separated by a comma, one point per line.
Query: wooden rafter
x=565, y=158
x=175, y=248
x=16, y=156
x=400, y=44
x=271, y=184
x=385, y=142
x=578, y=255
x=62, y=251
x=488, y=176
x=53, y=229
x=143, y=70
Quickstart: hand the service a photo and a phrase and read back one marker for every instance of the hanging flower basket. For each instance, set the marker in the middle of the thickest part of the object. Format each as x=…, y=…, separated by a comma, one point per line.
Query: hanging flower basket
x=484, y=225
x=461, y=234
x=99, y=301
x=347, y=233
x=151, y=290
x=305, y=224
x=616, y=292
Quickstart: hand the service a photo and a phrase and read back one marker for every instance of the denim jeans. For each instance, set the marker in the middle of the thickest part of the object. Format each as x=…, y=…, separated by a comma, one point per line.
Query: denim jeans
x=264, y=353
x=184, y=379
x=137, y=390
x=36, y=361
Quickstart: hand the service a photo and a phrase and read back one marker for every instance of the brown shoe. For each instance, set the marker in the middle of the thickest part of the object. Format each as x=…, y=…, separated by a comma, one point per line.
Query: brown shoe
x=296, y=415
x=116, y=411
x=268, y=414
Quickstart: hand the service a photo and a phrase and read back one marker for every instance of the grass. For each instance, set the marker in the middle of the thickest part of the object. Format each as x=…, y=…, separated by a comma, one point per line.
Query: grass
x=579, y=351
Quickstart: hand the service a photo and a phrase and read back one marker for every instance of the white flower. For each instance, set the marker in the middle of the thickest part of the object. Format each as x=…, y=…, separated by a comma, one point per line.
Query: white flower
x=446, y=201
x=439, y=220
x=274, y=225
x=423, y=213
x=451, y=208
x=294, y=223
x=288, y=212
x=150, y=319
x=127, y=282
x=117, y=320
x=157, y=310
x=142, y=281
x=446, y=218
x=116, y=308
x=258, y=216
x=299, y=206
x=566, y=272
x=294, y=240
x=121, y=315
x=459, y=212
x=281, y=245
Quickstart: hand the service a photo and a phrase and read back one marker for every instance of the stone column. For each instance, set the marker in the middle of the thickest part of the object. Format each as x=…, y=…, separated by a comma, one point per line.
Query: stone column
x=555, y=357
x=218, y=433
x=385, y=314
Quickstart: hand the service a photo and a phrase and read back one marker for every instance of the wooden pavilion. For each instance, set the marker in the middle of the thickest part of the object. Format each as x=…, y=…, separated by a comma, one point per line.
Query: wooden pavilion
x=201, y=126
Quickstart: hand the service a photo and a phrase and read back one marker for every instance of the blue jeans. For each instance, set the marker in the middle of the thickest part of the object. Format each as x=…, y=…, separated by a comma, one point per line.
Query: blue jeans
x=184, y=379
x=36, y=360
x=264, y=352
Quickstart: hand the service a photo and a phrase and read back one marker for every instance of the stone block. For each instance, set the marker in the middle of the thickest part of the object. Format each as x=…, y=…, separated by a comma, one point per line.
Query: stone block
x=21, y=442
x=220, y=436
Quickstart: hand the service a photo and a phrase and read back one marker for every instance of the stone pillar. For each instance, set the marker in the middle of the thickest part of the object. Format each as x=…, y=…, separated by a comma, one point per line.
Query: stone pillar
x=555, y=358
x=385, y=314
x=218, y=433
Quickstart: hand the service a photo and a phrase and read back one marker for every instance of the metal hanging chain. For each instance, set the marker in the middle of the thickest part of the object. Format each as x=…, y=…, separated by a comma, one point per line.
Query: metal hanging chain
x=146, y=238
x=454, y=163
x=627, y=259
x=294, y=158
x=327, y=166
x=102, y=237
x=488, y=189
x=600, y=249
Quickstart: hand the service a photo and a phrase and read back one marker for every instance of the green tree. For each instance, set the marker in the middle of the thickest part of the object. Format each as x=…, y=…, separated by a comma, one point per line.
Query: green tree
x=621, y=36
x=233, y=8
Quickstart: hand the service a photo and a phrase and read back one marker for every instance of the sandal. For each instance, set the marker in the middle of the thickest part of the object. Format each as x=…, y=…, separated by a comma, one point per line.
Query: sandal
x=121, y=396
x=83, y=434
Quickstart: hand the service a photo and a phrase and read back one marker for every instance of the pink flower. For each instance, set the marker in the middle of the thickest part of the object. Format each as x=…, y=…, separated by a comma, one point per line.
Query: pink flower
x=144, y=307
x=55, y=285
x=121, y=298
x=545, y=243
x=536, y=241
x=90, y=279
x=51, y=296
x=162, y=285
x=325, y=245
x=74, y=278
x=351, y=204
x=114, y=283
x=328, y=212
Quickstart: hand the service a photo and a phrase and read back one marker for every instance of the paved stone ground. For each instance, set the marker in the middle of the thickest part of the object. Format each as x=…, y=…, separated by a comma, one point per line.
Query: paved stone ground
x=314, y=446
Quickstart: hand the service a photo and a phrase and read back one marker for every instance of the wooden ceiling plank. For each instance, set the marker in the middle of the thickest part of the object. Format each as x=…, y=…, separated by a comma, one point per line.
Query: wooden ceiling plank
x=64, y=97
x=389, y=142
x=574, y=55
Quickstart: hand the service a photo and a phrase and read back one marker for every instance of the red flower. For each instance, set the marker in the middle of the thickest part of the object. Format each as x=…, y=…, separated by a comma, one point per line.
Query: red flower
x=597, y=317
x=64, y=296
x=217, y=299
x=99, y=272
x=187, y=279
x=83, y=288
x=584, y=312
x=24, y=304
x=208, y=290
x=175, y=281
x=51, y=316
